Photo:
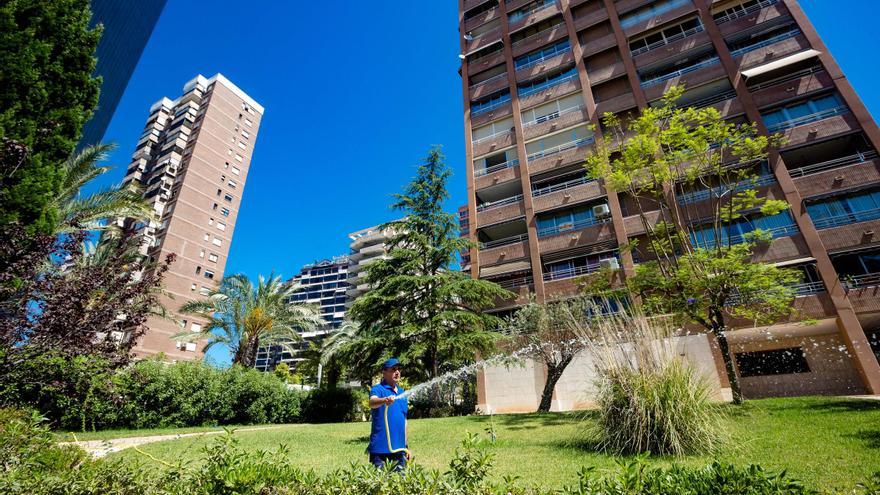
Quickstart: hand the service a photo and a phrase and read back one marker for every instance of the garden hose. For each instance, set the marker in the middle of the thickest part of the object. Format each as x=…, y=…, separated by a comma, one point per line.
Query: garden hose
x=391, y=448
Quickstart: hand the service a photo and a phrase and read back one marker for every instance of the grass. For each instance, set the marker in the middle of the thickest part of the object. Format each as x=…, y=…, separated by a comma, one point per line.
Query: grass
x=65, y=436
x=830, y=443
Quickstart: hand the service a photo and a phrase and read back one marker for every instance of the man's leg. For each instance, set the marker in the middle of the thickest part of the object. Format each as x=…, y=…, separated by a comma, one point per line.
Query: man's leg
x=377, y=460
x=400, y=461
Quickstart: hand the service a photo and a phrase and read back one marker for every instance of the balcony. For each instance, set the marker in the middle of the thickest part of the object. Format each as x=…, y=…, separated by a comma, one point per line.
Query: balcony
x=775, y=48
x=591, y=19
x=502, y=250
x=500, y=211
x=847, y=219
x=491, y=112
x=469, y=4
x=606, y=73
x=616, y=104
x=691, y=76
x=851, y=282
x=838, y=174
x=585, y=233
x=547, y=64
x=480, y=19
x=486, y=61
x=496, y=168
x=559, y=156
x=716, y=192
x=521, y=288
x=539, y=39
x=741, y=20
x=496, y=174
x=483, y=40
x=816, y=126
x=567, y=193
x=855, y=230
x=497, y=141
x=488, y=86
x=520, y=19
x=800, y=290
x=559, y=119
x=790, y=86
x=552, y=90
x=599, y=44
x=672, y=10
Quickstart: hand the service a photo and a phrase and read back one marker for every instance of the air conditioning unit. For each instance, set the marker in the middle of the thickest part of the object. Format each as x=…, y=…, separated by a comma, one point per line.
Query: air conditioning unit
x=610, y=263
x=601, y=211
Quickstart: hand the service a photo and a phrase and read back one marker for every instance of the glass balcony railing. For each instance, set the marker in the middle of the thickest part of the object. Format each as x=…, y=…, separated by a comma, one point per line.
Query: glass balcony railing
x=769, y=41
x=736, y=13
x=479, y=109
x=495, y=168
x=832, y=164
x=571, y=272
x=538, y=34
x=553, y=115
x=562, y=147
x=572, y=226
x=485, y=82
x=504, y=242
x=806, y=119
x=666, y=41
x=549, y=83
x=561, y=187
x=665, y=77
x=847, y=218
x=492, y=137
x=558, y=49
x=501, y=202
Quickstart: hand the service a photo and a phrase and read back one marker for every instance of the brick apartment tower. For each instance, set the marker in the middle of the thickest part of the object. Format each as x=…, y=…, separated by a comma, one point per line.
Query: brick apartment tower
x=536, y=73
x=192, y=161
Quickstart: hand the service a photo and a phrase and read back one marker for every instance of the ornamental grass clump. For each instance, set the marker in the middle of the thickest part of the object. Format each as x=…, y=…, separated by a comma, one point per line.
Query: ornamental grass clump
x=650, y=398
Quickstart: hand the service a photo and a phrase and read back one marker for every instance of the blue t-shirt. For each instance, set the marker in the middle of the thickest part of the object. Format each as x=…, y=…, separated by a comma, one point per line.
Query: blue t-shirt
x=396, y=421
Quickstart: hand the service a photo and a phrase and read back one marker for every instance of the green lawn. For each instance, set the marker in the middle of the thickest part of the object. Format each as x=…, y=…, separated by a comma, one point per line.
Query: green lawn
x=829, y=443
x=64, y=436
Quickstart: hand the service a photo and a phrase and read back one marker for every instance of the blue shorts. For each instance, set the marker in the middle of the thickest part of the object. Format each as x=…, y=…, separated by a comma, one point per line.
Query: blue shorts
x=398, y=459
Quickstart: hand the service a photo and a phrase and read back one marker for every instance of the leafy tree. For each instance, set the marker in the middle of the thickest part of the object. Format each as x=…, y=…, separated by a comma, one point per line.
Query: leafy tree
x=696, y=264
x=47, y=93
x=242, y=316
x=420, y=307
x=98, y=210
x=552, y=333
x=282, y=371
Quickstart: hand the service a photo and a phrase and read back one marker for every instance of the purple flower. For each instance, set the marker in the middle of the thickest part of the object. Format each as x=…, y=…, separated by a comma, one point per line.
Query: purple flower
x=691, y=300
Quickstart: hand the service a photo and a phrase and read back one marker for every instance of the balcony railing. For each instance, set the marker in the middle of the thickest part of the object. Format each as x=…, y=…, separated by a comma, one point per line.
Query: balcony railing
x=711, y=100
x=547, y=84
x=572, y=226
x=481, y=58
x=491, y=137
x=787, y=77
x=806, y=119
x=516, y=282
x=504, y=242
x=666, y=41
x=544, y=58
x=571, y=272
x=501, y=202
x=860, y=281
x=744, y=12
x=847, y=218
x=775, y=232
x=553, y=116
x=832, y=164
x=495, y=168
x=493, y=106
x=800, y=290
x=522, y=14
x=559, y=149
x=628, y=20
x=561, y=187
x=769, y=41
x=704, y=194
x=484, y=82
x=665, y=77
x=537, y=35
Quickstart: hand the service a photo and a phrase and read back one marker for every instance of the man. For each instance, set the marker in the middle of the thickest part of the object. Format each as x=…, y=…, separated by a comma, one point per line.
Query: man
x=388, y=436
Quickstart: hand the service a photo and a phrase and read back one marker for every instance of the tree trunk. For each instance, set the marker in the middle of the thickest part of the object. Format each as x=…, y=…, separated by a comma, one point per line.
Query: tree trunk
x=554, y=373
x=728, y=365
x=250, y=353
x=332, y=373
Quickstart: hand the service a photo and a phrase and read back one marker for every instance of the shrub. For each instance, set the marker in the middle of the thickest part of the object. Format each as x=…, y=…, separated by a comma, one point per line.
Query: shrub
x=334, y=405
x=650, y=399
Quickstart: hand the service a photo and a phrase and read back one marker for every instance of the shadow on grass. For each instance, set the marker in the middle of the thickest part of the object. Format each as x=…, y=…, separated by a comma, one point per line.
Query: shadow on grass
x=359, y=440
x=870, y=437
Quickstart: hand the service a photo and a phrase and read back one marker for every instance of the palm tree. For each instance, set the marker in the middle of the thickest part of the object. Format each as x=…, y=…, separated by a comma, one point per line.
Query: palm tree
x=92, y=212
x=242, y=317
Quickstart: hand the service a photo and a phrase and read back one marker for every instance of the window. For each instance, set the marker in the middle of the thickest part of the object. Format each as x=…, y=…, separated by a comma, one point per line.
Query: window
x=196, y=327
x=666, y=36
x=229, y=152
x=201, y=253
x=803, y=112
x=490, y=102
x=241, y=145
x=224, y=211
x=198, y=270
x=546, y=82
x=212, y=258
x=779, y=225
x=221, y=226
x=205, y=291
x=192, y=287
x=219, y=192
x=577, y=218
x=191, y=346
x=233, y=184
x=214, y=207
x=775, y=362
x=238, y=157
x=207, y=237
x=228, y=197
x=537, y=56
x=236, y=170
x=217, y=242
x=226, y=165
x=844, y=210
x=210, y=221
x=248, y=122
x=222, y=178
x=246, y=134
x=209, y=274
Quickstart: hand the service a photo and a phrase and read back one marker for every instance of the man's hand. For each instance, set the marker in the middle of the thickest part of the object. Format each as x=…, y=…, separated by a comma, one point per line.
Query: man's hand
x=389, y=400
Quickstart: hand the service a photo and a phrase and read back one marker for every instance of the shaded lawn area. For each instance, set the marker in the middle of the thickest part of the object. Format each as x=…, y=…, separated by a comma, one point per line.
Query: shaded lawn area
x=830, y=443
x=64, y=436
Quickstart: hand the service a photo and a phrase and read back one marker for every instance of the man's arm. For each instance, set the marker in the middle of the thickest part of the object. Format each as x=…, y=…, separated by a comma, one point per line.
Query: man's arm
x=377, y=402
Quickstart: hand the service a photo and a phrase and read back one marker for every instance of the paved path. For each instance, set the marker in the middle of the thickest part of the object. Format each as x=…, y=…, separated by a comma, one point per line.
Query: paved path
x=100, y=448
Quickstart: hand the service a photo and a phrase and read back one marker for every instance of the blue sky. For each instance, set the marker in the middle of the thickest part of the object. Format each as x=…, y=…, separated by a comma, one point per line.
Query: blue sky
x=355, y=93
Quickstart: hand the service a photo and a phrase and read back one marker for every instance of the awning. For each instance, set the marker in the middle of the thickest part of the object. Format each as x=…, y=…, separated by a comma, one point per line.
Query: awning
x=782, y=62
x=516, y=266
x=796, y=261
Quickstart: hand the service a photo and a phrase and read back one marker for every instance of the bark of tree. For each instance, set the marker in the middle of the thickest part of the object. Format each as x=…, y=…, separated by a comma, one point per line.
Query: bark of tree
x=554, y=373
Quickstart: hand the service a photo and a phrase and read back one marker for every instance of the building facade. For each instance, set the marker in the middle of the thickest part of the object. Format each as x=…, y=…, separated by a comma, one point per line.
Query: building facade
x=324, y=284
x=537, y=75
x=127, y=28
x=367, y=245
x=191, y=162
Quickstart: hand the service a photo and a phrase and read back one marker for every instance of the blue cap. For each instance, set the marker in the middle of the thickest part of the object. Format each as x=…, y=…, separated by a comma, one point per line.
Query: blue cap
x=390, y=363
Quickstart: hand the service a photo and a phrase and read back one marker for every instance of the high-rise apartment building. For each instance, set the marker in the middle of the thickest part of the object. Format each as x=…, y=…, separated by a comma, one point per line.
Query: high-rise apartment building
x=367, y=245
x=127, y=29
x=324, y=284
x=192, y=162
x=537, y=75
